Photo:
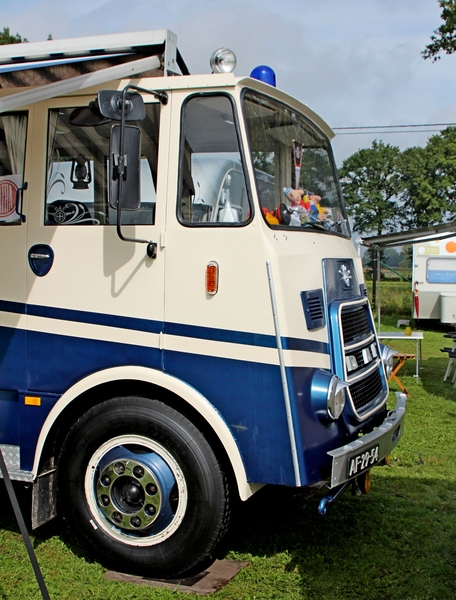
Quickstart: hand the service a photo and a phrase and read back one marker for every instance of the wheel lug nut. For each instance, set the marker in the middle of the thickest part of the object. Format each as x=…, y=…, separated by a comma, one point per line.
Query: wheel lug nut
x=119, y=468
x=138, y=472
x=151, y=489
x=135, y=522
x=105, y=500
x=150, y=510
x=105, y=480
x=117, y=517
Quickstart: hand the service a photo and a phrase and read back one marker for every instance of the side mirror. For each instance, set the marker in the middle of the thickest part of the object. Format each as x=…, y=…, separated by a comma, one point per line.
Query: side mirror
x=110, y=105
x=126, y=167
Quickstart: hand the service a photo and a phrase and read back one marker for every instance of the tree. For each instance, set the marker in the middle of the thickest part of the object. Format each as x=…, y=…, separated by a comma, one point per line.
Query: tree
x=371, y=183
x=429, y=180
x=444, y=39
x=7, y=38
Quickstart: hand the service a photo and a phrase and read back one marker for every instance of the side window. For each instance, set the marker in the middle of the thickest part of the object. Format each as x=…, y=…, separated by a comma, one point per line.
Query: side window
x=212, y=186
x=13, y=133
x=78, y=167
x=441, y=270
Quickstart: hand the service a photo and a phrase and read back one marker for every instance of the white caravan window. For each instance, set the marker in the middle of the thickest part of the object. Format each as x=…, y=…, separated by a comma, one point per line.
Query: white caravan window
x=212, y=190
x=441, y=270
x=13, y=133
x=78, y=167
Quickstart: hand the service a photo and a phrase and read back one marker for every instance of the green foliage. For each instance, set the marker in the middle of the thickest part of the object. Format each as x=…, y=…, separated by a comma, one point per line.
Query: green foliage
x=7, y=38
x=371, y=182
x=444, y=39
x=387, y=190
x=395, y=298
x=429, y=180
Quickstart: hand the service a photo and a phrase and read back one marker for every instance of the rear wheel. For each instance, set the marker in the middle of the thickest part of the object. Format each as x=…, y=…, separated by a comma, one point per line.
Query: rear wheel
x=142, y=489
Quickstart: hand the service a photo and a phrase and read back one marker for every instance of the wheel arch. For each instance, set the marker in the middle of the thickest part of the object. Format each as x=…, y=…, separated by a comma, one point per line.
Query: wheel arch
x=121, y=381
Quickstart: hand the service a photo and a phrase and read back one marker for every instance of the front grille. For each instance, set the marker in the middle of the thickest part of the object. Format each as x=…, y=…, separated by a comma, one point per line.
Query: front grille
x=362, y=359
x=366, y=390
x=355, y=325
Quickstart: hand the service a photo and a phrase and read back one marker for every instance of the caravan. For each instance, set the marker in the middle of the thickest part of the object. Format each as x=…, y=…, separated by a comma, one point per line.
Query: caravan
x=434, y=280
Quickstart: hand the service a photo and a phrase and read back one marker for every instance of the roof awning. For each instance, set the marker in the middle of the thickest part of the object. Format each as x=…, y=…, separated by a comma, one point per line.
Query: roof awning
x=59, y=88
x=411, y=236
x=58, y=67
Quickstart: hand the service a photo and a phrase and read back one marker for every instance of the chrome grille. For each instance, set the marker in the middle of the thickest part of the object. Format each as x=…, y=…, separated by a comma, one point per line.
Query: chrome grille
x=364, y=373
x=355, y=325
x=369, y=387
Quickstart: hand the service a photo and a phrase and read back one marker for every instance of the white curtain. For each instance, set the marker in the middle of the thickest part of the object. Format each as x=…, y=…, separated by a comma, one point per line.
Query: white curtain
x=15, y=127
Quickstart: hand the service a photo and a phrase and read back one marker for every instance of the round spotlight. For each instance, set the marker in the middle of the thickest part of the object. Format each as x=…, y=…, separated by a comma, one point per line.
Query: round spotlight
x=223, y=60
x=264, y=74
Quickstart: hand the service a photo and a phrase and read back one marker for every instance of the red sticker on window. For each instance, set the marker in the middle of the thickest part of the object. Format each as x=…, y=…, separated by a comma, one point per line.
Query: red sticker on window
x=8, y=190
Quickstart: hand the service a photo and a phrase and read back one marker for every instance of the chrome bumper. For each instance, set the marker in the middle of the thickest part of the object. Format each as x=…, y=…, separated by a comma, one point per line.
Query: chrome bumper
x=374, y=445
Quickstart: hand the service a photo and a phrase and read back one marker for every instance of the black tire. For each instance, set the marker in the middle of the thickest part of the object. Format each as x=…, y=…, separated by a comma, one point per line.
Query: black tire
x=142, y=489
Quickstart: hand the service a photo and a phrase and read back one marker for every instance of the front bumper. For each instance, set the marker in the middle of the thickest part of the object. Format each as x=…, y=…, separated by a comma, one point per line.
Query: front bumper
x=349, y=461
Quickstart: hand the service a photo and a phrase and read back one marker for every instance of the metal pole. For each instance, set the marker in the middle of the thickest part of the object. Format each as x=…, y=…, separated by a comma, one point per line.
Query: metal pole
x=23, y=528
x=378, y=290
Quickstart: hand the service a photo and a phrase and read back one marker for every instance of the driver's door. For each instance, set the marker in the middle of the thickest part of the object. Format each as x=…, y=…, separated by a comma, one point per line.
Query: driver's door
x=95, y=302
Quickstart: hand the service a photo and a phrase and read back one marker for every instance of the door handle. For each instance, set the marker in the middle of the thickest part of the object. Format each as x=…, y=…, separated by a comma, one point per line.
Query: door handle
x=41, y=259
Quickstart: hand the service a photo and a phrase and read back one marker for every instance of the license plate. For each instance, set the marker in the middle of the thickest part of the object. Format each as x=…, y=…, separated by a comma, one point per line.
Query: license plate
x=362, y=461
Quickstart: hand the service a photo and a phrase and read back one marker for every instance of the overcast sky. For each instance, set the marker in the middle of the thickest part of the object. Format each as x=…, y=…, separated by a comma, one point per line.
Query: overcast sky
x=355, y=62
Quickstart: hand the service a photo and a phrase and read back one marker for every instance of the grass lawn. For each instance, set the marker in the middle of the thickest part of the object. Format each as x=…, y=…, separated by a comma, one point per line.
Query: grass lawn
x=398, y=542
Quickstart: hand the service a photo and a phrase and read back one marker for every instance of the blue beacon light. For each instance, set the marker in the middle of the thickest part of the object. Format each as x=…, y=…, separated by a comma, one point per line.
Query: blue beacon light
x=264, y=74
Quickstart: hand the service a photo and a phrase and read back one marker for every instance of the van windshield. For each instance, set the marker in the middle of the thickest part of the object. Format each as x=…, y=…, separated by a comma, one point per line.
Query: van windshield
x=294, y=169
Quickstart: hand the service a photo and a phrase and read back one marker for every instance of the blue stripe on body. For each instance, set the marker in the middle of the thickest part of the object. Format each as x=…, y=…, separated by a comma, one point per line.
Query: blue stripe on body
x=13, y=307
x=81, y=316
x=177, y=329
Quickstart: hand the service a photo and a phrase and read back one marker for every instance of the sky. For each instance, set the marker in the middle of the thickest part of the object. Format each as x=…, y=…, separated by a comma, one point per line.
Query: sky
x=357, y=63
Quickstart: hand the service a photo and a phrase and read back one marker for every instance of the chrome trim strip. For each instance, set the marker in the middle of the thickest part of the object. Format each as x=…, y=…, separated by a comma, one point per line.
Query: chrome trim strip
x=283, y=375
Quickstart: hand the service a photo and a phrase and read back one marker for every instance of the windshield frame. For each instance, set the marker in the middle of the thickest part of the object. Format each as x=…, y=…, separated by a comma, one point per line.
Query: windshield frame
x=340, y=227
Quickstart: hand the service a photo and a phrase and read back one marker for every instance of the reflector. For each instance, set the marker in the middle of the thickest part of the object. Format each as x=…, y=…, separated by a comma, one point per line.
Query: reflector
x=212, y=278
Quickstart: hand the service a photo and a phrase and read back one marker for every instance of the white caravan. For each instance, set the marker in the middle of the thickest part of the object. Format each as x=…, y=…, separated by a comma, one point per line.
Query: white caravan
x=434, y=280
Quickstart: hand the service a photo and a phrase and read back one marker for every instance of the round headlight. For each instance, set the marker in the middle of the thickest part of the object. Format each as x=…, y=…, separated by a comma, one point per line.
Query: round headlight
x=327, y=394
x=387, y=359
x=336, y=397
x=223, y=60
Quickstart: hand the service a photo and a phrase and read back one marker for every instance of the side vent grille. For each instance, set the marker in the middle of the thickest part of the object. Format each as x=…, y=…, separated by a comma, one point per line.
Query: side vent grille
x=312, y=302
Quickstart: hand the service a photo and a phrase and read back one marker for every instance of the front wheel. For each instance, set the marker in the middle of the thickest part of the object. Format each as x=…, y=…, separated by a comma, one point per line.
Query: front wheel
x=142, y=489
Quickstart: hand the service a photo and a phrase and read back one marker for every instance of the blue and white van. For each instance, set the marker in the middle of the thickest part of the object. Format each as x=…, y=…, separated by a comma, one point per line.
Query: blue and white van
x=174, y=333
